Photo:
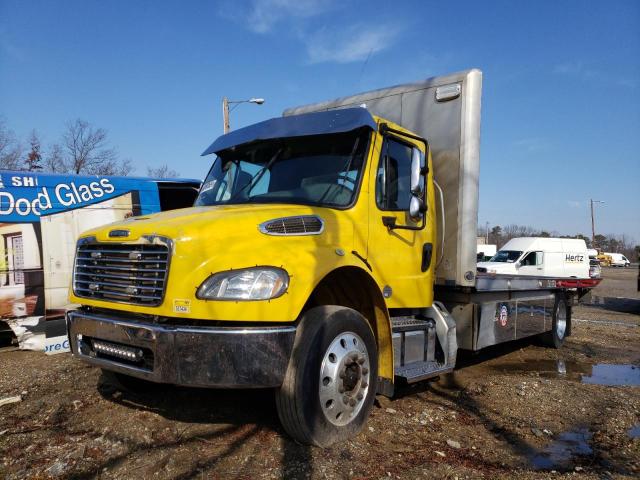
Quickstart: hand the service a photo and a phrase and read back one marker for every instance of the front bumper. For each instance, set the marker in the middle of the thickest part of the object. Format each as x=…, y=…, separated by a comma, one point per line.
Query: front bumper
x=223, y=357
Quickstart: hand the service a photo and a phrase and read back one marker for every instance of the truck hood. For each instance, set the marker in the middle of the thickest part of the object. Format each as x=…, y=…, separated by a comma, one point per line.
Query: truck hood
x=206, y=240
x=207, y=224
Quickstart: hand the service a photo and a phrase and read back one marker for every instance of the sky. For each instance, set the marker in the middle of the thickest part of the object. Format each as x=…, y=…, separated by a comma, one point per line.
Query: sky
x=561, y=83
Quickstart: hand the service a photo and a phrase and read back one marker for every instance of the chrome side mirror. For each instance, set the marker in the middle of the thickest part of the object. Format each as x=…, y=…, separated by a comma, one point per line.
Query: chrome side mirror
x=417, y=171
x=416, y=205
x=416, y=208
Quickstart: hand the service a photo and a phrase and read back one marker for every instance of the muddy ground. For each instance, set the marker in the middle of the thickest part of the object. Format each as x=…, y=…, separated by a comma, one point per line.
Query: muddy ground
x=518, y=411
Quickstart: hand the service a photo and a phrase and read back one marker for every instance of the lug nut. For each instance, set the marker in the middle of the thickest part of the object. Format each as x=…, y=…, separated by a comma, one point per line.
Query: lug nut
x=365, y=370
x=360, y=396
x=345, y=399
x=364, y=385
x=352, y=402
x=361, y=360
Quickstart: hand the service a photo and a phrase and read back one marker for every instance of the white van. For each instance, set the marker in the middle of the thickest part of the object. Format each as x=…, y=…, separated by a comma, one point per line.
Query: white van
x=540, y=256
x=618, y=260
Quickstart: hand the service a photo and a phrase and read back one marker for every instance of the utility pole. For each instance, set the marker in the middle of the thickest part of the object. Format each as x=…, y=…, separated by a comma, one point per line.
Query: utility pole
x=487, y=234
x=225, y=115
x=593, y=223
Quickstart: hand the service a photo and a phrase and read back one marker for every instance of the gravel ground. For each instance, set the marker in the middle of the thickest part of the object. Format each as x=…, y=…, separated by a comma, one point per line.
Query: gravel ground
x=512, y=411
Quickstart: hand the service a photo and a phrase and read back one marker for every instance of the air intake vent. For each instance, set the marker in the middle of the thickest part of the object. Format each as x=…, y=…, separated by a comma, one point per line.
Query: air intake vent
x=302, y=225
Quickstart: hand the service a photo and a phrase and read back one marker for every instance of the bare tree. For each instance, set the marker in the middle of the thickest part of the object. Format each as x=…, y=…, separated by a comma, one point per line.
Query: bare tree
x=34, y=157
x=125, y=167
x=10, y=149
x=88, y=150
x=515, y=231
x=162, y=172
x=54, y=159
x=118, y=168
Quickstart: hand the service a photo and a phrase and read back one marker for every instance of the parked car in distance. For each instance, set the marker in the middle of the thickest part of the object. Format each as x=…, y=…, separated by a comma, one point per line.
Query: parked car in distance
x=540, y=256
x=595, y=270
x=618, y=260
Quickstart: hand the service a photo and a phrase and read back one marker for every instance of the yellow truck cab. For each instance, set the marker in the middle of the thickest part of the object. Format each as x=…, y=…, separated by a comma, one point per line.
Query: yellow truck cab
x=310, y=261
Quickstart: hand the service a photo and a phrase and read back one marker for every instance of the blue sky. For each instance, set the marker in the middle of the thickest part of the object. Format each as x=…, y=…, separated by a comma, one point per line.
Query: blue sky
x=561, y=100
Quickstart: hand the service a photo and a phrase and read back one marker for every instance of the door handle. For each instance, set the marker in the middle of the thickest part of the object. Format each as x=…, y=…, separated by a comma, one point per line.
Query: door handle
x=427, y=253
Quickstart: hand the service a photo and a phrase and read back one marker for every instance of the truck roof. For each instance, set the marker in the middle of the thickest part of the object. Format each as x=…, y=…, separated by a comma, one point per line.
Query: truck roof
x=545, y=244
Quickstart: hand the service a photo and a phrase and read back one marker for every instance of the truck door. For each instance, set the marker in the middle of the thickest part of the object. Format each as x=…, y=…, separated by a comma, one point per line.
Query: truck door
x=532, y=264
x=396, y=255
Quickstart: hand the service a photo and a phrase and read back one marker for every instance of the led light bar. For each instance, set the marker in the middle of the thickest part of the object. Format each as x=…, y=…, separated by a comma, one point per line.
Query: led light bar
x=120, y=351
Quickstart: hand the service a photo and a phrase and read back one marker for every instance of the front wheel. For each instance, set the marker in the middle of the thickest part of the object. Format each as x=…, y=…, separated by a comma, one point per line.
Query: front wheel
x=331, y=380
x=561, y=322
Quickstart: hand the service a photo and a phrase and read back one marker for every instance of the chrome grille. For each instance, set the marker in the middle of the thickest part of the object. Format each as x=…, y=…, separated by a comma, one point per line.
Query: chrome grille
x=301, y=225
x=127, y=273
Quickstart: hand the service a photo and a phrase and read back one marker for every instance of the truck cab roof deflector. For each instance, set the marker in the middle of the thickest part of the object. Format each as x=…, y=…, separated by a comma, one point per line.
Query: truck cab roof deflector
x=319, y=123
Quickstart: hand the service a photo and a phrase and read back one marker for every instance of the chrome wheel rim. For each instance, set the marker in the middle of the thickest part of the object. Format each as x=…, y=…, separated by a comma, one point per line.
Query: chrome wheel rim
x=561, y=321
x=344, y=378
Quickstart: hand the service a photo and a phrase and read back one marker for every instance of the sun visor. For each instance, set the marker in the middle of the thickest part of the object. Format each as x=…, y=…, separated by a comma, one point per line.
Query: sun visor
x=318, y=123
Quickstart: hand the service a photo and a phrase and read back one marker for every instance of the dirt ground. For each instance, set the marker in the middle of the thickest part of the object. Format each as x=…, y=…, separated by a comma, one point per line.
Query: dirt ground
x=516, y=411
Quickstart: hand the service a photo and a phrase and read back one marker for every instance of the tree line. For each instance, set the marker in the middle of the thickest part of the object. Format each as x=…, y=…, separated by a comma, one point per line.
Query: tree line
x=82, y=150
x=611, y=243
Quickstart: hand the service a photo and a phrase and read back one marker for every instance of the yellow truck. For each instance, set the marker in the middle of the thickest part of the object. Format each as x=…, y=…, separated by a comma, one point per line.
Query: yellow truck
x=331, y=252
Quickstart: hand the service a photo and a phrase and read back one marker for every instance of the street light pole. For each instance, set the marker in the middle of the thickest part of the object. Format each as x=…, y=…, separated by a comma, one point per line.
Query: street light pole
x=225, y=109
x=225, y=114
x=593, y=223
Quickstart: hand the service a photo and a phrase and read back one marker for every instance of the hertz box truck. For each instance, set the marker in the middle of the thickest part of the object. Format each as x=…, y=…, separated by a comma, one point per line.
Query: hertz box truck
x=330, y=252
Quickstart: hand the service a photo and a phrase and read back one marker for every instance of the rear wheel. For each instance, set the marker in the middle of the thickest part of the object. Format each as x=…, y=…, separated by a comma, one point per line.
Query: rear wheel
x=331, y=380
x=561, y=323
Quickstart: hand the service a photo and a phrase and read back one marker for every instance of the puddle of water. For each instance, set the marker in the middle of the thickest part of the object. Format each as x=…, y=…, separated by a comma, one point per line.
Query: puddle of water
x=634, y=432
x=611, y=374
x=547, y=368
x=558, y=454
x=598, y=374
x=617, y=304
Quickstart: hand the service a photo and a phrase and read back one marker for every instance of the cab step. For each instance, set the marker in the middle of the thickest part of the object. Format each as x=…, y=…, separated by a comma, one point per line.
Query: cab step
x=417, y=354
x=419, y=371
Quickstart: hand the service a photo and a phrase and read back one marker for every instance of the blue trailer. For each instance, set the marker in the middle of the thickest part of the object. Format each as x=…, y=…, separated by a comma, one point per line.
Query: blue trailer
x=41, y=215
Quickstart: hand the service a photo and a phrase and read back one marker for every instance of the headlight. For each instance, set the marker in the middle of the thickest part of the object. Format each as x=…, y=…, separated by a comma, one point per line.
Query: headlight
x=257, y=283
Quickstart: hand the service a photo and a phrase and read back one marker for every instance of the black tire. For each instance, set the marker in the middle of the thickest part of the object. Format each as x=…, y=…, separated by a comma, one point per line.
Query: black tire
x=302, y=414
x=128, y=383
x=560, y=325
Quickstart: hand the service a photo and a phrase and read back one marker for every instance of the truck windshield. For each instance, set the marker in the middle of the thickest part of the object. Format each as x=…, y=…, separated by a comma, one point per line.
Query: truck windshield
x=506, y=256
x=313, y=170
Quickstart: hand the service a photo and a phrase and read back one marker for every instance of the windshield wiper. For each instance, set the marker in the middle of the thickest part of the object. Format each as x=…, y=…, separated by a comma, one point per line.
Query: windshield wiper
x=249, y=186
x=345, y=169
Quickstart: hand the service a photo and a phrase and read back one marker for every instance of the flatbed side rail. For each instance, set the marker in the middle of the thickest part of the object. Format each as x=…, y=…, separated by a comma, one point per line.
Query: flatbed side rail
x=501, y=282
